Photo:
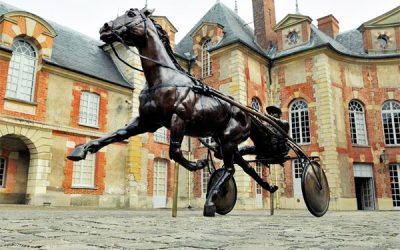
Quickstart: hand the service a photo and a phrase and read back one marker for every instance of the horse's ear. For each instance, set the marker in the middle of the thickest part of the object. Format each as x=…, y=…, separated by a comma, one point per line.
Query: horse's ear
x=147, y=11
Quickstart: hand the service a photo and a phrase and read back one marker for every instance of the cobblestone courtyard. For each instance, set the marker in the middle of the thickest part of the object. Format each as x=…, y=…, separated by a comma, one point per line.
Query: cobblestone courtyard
x=25, y=227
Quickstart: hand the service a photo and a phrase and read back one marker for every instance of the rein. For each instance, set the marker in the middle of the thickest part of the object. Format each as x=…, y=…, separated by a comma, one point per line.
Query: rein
x=195, y=80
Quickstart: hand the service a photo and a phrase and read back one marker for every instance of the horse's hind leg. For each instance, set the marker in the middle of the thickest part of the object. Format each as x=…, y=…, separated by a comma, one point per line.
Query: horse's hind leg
x=134, y=128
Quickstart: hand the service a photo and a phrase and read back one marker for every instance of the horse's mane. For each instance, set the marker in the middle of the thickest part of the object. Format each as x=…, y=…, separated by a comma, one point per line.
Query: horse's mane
x=162, y=34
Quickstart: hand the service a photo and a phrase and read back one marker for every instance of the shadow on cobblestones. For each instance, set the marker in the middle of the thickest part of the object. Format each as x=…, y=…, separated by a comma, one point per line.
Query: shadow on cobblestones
x=26, y=227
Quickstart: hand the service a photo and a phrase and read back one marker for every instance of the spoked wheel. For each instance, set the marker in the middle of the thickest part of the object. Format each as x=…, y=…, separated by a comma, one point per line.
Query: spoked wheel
x=225, y=200
x=315, y=188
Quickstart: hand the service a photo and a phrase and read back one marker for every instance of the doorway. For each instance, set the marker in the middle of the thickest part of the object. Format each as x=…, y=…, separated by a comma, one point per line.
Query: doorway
x=160, y=184
x=364, y=186
x=259, y=198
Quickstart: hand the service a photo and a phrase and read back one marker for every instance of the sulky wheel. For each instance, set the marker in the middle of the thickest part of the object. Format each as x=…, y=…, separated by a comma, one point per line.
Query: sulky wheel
x=225, y=200
x=315, y=188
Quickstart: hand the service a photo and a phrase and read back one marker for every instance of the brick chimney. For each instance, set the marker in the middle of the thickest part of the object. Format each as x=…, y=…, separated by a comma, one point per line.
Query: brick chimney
x=329, y=25
x=264, y=22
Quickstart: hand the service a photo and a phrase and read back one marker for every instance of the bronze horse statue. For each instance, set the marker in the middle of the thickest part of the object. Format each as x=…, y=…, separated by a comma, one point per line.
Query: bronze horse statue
x=175, y=100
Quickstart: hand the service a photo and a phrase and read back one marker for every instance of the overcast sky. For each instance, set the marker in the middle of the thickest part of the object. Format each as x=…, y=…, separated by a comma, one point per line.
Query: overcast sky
x=86, y=16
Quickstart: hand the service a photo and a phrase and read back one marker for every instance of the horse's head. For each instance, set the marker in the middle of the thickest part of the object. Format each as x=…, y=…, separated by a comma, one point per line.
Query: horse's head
x=130, y=27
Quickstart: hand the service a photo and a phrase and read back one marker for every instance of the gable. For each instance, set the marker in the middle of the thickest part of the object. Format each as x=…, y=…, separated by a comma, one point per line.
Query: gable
x=389, y=19
x=291, y=20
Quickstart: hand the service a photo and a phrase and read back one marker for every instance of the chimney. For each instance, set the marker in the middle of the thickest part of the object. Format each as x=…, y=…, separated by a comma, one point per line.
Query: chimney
x=329, y=25
x=264, y=23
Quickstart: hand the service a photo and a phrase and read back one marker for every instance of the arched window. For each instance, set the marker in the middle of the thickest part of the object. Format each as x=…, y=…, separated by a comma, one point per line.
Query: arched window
x=358, y=129
x=22, y=71
x=391, y=122
x=300, y=122
x=205, y=58
x=255, y=104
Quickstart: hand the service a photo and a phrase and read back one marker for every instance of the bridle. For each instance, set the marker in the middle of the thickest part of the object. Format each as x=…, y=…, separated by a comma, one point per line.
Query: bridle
x=198, y=85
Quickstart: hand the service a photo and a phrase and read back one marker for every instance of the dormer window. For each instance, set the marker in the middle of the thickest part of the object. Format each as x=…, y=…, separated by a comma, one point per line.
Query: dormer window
x=383, y=40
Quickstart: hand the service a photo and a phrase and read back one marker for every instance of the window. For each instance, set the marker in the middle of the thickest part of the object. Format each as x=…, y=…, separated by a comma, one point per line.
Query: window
x=83, y=172
x=300, y=123
x=297, y=166
x=160, y=178
x=391, y=122
x=2, y=172
x=205, y=176
x=22, y=71
x=358, y=129
x=161, y=135
x=383, y=40
x=293, y=37
x=209, y=140
x=89, y=109
x=255, y=104
x=394, y=171
x=205, y=59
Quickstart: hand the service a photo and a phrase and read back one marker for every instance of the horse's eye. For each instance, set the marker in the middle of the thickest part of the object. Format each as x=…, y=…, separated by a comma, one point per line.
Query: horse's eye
x=131, y=14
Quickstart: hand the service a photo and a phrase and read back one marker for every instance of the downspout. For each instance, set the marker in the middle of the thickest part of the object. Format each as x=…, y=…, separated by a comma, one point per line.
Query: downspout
x=270, y=64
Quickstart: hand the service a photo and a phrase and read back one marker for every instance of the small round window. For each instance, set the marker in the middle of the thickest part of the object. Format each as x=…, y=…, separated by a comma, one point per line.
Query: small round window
x=293, y=37
x=383, y=40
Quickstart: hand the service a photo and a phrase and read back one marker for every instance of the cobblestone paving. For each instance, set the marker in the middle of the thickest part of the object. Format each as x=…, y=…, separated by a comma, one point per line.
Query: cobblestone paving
x=25, y=227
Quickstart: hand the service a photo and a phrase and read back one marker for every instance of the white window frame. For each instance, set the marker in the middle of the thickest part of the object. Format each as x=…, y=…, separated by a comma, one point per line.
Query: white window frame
x=300, y=129
x=358, y=127
x=160, y=166
x=161, y=135
x=394, y=172
x=22, y=71
x=297, y=170
x=3, y=171
x=89, y=109
x=391, y=114
x=206, y=59
x=80, y=169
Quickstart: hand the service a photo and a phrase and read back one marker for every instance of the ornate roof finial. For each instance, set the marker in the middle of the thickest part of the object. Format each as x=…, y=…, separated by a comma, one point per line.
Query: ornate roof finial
x=236, y=7
x=217, y=1
x=297, y=8
x=145, y=4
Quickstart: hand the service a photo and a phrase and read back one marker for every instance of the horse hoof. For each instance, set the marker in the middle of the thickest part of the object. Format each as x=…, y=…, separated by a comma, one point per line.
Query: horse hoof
x=78, y=154
x=273, y=189
x=209, y=211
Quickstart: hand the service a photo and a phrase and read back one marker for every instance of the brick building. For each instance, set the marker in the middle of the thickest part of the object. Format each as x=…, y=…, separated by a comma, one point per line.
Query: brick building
x=339, y=91
x=57, y=89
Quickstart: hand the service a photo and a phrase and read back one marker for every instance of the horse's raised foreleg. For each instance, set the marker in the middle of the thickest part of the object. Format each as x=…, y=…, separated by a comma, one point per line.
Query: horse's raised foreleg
x=134, y=128
x=177, y=131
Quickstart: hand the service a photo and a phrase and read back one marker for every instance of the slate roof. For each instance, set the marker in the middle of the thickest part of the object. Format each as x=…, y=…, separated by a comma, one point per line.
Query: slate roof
x=235, y=30
x=348, y=43
x=80, y=53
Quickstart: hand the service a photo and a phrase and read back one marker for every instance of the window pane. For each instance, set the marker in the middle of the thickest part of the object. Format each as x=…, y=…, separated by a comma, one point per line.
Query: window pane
x=161, y=135
x=21, y=74
x=2, y=172
x=300, y=123
x=391, y=122
x=89, y=109
x=205, y=58
x=84, y=172
x=358, y=129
